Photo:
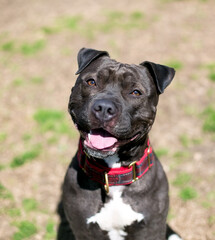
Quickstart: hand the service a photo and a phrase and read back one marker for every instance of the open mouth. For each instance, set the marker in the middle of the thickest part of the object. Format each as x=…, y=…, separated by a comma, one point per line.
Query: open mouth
x=101, y=140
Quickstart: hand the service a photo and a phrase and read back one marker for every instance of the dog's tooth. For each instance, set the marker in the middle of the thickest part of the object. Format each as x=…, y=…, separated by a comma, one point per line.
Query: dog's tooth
x=89, y=135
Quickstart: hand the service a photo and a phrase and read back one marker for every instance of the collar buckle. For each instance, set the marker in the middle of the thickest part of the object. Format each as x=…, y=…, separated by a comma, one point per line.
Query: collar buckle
x=106, y=186
x=133, y=165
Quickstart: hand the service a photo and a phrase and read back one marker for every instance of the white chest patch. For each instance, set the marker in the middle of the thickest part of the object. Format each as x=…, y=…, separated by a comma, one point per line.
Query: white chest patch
x=174, y=237
x=115, y=215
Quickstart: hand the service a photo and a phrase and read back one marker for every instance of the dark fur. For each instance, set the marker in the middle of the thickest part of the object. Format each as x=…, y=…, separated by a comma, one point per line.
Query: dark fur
x=82, y=197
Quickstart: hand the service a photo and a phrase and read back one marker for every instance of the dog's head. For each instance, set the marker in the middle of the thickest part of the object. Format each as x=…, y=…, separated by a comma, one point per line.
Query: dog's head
x=113, y=104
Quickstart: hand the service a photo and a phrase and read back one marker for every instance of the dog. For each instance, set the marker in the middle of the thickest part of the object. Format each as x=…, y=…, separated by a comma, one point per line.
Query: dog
x=115, y=187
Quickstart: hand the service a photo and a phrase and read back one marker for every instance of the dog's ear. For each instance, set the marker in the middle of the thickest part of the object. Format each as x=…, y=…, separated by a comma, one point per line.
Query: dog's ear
x=86, y=56
x=161, y=74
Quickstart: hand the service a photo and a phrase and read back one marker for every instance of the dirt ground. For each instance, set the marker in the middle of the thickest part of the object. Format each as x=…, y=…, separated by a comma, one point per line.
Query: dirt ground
x=39, y=42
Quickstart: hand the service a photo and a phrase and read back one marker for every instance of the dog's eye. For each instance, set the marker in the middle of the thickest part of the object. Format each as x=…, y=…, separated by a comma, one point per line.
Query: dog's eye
x=136, y=93
x=91, y=82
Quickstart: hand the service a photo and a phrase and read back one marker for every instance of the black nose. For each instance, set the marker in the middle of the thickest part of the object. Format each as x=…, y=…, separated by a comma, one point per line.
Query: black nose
x=104, y=109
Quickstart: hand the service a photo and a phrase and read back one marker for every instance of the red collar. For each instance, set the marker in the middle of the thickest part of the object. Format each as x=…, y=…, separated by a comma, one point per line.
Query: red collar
x=115, y=176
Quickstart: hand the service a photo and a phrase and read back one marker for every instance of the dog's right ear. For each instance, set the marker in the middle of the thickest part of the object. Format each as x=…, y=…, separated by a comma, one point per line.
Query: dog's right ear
x=86, y=56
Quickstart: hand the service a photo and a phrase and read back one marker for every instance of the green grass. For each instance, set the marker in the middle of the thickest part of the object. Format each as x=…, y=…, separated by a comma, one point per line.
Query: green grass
x=184, y=139
x=37, y=80
x=191, y=110
x=25, y=230
x=137, y=15
x=182, y=180
x=50, y=230
x=2, y=167
x=32, y=48
x=120, y=20
x=211, y=69
x=209, y=119
x=178, y=158
x=50, y=120
x=209, y=200
x=26, y=48
x=29, y=204
x=180, y=155
x=211, y=220
x=18, y=82
x=188, y=193
x=3, y=137
x=44, y=116
x=212, y=76
x=176, y=64
x=26, y=157
x=8, y=46
x=49, y=30
x=161, y=152
x=4, y=193
x=71, y=23
x=112, y=21
x=26, y=137
x=14, y=212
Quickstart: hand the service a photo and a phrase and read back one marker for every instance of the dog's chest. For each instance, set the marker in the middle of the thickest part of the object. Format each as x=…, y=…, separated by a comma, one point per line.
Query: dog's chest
x=115, y=215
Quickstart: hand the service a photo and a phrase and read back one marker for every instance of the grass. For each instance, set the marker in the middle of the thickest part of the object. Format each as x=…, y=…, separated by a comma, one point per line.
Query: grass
x=3, y=137
x=26, y=137
x=50, y=120
x=26, y=157
x=25, y=230
x=21, y=81
x=37, y=80
x=212, y=76
x=114, y=20
x=180, y=155
x=182, y=180
x=25, y=48
x=71, y=23
x=50, y=230
x=187, y=193
x=49, y=30
x=184, y=139
x=211, y=69
x=29, y=204
x=209, y=200
x=8, y=46
x=32, y=48
x=161, y=152
x=176, y=64
x=18, y=82
x=14, y=212
x=209, y=119
x=120, y=20
x=4, y=193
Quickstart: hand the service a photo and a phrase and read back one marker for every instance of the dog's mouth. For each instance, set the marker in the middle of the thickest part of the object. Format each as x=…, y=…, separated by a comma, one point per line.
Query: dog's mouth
x=101, y=140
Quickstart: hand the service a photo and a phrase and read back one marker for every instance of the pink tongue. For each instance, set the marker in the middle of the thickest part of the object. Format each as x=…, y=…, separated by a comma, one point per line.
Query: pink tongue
x=101, y=139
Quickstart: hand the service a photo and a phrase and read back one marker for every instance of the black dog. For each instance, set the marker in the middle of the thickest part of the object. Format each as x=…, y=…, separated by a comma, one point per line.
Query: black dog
x=115, y=187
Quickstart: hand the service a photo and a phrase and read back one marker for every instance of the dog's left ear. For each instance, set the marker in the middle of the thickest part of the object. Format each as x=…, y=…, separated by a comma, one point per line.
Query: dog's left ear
x=161, y=74
x=86, y=56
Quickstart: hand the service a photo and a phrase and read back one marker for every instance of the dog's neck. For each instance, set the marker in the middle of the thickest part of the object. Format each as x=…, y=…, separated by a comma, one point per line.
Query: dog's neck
x=113, y=161
x=133, y=152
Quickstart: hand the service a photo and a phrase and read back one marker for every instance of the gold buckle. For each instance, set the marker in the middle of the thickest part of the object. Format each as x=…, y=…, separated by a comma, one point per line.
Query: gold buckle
x=106, y=186
x=133, y=165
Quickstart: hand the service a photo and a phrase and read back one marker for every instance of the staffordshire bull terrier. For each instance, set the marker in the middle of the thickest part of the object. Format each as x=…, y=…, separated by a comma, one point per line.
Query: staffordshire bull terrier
x=115, y=187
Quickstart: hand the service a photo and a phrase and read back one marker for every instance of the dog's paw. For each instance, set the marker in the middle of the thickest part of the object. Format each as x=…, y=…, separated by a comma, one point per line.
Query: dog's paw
x=174, y=237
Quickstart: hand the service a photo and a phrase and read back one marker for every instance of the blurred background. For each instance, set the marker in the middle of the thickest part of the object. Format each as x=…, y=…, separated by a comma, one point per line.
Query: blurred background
x=39, y=42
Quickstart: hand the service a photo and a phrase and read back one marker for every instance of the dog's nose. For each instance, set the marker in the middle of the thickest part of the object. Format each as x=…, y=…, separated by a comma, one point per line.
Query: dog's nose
x=104, y=109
